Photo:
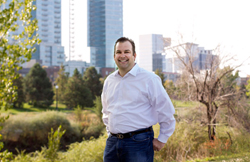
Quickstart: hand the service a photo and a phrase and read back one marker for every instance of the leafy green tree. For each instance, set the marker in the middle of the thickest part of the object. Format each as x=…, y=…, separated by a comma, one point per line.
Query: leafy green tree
x=248, y=88
x=92, y=81
x=15, y=49
x=18, y=103
x=38, y=88
x=77, y=74
x=14, y=53
x=76, y=93
x=61, y=81
x=161, y=75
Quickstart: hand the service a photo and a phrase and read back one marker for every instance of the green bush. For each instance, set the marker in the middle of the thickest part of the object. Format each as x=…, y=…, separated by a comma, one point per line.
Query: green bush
x=30, y=132
x=93, y=131
x=86, y=151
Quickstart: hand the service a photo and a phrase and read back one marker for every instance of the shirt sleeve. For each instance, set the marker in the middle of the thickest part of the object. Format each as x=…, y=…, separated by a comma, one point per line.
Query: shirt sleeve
x=104, y=109
x=164, y=108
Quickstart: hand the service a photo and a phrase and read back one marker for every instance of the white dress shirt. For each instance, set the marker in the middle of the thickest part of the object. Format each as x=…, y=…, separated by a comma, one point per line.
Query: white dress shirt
x=135, y=101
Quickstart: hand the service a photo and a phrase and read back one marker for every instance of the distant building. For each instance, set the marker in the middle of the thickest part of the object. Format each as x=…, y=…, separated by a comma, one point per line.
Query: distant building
x=105, y=26
x=70, y=66
x=50, y=50
x=52, y=72
x=201, y=57
x=171, y=76
x=151, y=48
x=48, y=13
x=106, y=71
x=243, y=80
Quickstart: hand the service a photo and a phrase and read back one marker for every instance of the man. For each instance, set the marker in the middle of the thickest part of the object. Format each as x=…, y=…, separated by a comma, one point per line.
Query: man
x=133, y=100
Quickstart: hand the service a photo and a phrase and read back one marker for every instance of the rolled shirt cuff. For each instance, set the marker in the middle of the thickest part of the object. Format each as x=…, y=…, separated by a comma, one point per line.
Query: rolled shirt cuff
x=163, y=138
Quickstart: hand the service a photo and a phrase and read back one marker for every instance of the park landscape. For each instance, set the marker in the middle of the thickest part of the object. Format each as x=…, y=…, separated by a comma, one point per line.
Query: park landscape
x=42, y=123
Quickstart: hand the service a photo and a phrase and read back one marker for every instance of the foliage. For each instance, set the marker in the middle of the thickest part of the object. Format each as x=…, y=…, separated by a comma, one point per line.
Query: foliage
x=92, y=81
x=18, y=103
x=47, y=154
x=77, y=74
x=30, y=132
x=38, y=88
x=6, y=156
x=61, y=81
x=248, y=88
x=54, y=138
x=209, y=85
x=98, y=107
x=86, y=151
x=161, y=75
x=229, y=82
x=76, y=93
x=185, y=88
x=170, y=88
x=15, y=49
x=189, y=141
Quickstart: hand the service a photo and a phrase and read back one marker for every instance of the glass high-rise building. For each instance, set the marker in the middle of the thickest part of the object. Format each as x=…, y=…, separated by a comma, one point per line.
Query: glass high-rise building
x=105, y=26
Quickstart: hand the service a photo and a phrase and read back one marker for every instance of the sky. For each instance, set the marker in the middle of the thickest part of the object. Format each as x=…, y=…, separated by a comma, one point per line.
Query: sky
x=205, y=22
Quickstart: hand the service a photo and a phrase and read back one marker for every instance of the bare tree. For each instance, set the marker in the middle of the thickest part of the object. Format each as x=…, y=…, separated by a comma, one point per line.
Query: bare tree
x=205, y=78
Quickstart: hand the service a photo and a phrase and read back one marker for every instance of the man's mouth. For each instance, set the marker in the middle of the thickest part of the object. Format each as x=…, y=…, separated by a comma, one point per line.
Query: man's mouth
x=123, y=60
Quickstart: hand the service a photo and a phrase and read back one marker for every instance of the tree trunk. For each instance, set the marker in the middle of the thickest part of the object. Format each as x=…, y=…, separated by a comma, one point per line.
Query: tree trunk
x=211, y=125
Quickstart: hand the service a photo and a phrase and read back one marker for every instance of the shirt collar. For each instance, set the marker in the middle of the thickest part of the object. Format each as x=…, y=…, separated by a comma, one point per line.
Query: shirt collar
x=133, y=71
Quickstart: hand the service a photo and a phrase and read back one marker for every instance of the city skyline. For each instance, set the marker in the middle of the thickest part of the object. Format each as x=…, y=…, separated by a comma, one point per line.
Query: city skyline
x=211, y=23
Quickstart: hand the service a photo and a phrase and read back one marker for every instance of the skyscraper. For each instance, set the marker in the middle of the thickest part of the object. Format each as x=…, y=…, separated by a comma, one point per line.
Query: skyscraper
x=48, y=14
x=105, y=26
x=151, y=48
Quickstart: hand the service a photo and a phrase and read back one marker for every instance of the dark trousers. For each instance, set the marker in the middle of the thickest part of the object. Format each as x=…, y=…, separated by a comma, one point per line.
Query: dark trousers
x=138, y=148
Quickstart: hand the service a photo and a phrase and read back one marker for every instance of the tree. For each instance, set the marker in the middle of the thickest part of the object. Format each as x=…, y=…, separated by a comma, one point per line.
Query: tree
x=61, y=81
x=15, y=52
x=161, y=75
x=77, y=94
x=92, y=80
x=77, y=74
x=38, y=88
x=18, y=83
x=207, y=83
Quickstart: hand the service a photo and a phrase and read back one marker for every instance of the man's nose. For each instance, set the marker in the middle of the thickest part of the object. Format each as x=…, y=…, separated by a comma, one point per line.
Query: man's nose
x=123, y=54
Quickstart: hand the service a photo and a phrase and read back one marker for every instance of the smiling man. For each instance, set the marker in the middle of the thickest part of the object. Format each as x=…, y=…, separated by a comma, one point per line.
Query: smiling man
x=133, y=100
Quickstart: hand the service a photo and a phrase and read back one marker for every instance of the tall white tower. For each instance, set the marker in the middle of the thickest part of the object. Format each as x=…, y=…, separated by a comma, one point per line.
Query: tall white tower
x=72, y=29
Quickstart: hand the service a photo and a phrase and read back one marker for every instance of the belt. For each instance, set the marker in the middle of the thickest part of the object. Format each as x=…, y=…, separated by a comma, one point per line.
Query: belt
x=130, y=134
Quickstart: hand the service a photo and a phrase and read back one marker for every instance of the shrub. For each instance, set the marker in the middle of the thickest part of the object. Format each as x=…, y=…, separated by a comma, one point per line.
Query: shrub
x=30, y=132
x=93, y=131
x=86, y=151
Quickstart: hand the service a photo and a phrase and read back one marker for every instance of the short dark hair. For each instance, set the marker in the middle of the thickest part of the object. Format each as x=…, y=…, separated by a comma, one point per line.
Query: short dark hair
x=124, y=39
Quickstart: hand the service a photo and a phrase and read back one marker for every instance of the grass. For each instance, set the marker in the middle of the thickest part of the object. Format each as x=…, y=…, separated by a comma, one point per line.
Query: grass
x=189, y=141
x=185, y=104
x=62, y=108
x=30, y=108
x=241, y=157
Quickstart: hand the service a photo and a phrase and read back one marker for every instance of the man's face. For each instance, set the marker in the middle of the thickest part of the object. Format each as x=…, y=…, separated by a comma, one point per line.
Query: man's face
x=124, y=57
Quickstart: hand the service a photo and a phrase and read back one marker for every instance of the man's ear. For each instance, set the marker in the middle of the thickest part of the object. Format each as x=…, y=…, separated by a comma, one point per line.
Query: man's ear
x=134, y=56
